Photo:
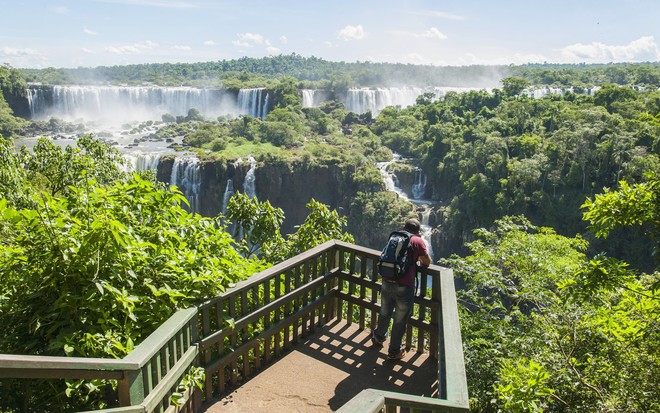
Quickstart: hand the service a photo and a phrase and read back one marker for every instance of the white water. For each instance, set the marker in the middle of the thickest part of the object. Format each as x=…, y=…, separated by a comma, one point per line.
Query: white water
x=229, y=192
x=546, y=91
x=308, y=97
x=426, y=231
x=375, y=100
x=186, y=175
x=142, y=161
x=125, y=103
x=389, y=177
x=254, y=102
x=419, y=189
x=249, y=186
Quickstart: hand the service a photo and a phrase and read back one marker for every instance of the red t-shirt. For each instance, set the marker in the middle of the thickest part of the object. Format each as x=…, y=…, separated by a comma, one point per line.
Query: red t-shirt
x=418, y=247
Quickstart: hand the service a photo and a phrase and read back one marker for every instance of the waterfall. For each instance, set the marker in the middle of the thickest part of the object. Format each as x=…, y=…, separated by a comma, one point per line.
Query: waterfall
x=419, y=187
x=389, y=178
x=308, y=98
x=36, y=101
x=361, y=100
x=426, y=231
x=253, y=102
x=186, y=175
x=229, y=192
x=364, y=99
x=540, y=92
x=249, y=186
x=418, y=191
x=124, y=103
x=141, y=161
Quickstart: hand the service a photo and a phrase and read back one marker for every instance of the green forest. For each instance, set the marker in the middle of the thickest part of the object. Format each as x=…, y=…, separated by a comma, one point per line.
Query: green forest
x=549, y=217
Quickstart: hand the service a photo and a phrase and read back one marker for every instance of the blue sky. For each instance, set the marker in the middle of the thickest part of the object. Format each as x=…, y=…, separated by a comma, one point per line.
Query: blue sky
x=91, y=33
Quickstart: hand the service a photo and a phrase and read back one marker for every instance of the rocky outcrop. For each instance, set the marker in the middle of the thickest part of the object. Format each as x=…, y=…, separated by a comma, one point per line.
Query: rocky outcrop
x=19, y=104
x=286, y=186
x=291, y=187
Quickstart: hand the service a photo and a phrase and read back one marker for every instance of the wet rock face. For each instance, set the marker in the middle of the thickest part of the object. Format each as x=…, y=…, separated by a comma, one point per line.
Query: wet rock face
x=284, y=186
x=19, y=105
x=291, y=189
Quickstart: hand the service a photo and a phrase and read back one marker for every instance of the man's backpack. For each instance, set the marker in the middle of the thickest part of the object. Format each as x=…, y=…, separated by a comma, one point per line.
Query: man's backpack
x=396, y=257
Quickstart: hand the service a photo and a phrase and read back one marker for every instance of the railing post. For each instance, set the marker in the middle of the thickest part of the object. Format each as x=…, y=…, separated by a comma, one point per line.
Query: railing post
x=436, y=297
x=131, y=388
x=334, y=257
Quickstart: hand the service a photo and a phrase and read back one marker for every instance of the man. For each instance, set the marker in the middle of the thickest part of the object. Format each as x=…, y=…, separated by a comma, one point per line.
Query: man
x=396, y=296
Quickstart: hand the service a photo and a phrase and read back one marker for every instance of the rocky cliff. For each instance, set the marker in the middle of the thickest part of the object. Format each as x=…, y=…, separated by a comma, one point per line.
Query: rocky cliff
x=286, y=186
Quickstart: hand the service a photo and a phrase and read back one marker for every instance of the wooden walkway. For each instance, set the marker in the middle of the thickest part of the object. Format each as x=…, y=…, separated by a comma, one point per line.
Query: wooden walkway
x=326, y=370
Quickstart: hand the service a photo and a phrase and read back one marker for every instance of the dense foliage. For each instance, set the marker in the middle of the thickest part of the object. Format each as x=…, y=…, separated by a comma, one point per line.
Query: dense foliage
x=546, y=329
x=93, y=260
x=493, y=154
x=12, y=84
x=335, y=75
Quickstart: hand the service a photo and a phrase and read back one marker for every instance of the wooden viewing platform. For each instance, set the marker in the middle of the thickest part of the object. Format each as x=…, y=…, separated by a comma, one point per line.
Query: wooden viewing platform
x=291, y=338
x=325, y=371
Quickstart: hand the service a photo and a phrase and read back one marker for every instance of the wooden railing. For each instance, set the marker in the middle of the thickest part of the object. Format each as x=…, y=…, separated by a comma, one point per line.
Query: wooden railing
x=376, y=401
x=237, y=333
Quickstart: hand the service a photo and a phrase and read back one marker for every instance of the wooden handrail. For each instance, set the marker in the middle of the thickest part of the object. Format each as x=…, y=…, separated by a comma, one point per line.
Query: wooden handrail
x=268, y=313
x=48, y=367
x=373, y=400
x=272, y=271
x=159, y=338
x=451, y=345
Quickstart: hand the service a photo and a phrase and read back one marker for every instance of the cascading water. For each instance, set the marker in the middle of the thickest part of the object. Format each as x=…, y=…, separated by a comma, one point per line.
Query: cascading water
x=418, y=191
x=186, y=175
x=229, y=192
x=389, y=178
x=124, y=103
x=249, y=186
x=308, y=98
x=538, y=93
x=141, y=161
x=254, y=102
x=419, y=187
x=426, y=231
x=376, y=99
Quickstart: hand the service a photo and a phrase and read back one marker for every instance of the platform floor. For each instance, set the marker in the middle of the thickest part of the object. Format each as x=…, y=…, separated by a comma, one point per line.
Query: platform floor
x=327, y=369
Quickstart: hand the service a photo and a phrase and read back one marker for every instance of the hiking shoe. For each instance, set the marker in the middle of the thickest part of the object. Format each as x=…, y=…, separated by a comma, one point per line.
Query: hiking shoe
x=376, y=341
x=397, y=356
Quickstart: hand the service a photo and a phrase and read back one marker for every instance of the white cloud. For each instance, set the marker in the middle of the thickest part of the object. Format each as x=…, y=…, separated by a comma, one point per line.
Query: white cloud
x=86, y=50
x=272, y=50
x=433, y=33
x=90, y=31
x=22, y=57
x=284, y=40
x=182, y=47
x=415, y=58
x=514, y=58
x=328, y=44
x=60, y=10
x=135, y=48
x=352, y=33
x=438, y=14
x=209, y=43
x=248, y=39
x=14, y=52
x=640, y=50
x=152, y=3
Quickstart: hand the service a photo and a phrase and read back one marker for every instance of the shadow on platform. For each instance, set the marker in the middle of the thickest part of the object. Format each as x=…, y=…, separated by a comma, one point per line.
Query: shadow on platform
x=326, y=370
